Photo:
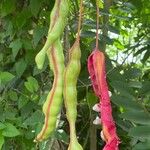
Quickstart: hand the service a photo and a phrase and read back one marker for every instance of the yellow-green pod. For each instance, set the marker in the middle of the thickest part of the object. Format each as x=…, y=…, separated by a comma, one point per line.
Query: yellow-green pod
x=58, y=19
x=71, y=74
x=52, y=105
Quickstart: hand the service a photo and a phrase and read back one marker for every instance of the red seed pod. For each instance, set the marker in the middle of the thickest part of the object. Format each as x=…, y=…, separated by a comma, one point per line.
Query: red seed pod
x=96, y=68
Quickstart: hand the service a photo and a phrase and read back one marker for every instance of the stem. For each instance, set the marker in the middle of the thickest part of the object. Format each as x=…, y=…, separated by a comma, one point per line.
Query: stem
x=93, y=136
x=86, y=139
x=97, y=23
x=72, y=131
x=107, y=4
x=80, y=19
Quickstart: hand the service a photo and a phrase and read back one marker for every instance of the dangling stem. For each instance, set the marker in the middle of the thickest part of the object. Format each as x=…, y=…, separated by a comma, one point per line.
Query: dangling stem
x=107, y=5
x=80, y=19
x=97, y=23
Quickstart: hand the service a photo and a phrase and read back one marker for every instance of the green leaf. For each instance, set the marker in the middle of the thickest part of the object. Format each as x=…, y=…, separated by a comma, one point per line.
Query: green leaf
x=142, y=146
x=140, y=117
x=132, y=73
x=126, y=102
x=27, y=110
x=2, y=126
x=31, y=84
x=35, y=6
x=135, y=84
x=20, y=67
x=114, y=30
x=34, y=119
x=13, y=95
x=145, y=88
x=1, y=57
x=34, y=97
x=122, y=88
x=38, y=33
x=129, y=5
x=23, y=100
x=22, y=17
x=123, y=124
x=107, y=39
x=1, y=140
x=140, y=51
x=91, y=99
x=27, y=44
x=16, y=45
x=89, y=23
x=119, y=45
x=2, y=118
x=10, y=130
x=100, y=3
x=87, y=34
x=8, y=6
x=146, y=56
x=42, y=98
x=10, y=114
x=5, y=77
x=140, y=132
x=115, y=75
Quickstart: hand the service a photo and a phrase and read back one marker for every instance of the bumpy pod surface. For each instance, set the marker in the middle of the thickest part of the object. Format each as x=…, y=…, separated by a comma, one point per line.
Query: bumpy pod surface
x=70, y=92
x=58, y=19
x=53, y=48
x=96, y=68
x=51, y=107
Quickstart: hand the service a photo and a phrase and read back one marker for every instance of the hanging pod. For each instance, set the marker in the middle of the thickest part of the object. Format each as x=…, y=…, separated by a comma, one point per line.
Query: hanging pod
x=58, y=19
x=53, y=49
x=71, y=74
x=96, y=68
x=97, y=71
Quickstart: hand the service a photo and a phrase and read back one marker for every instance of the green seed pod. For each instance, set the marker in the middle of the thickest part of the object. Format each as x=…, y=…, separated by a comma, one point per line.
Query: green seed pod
x=58, y=21
x=53, y=48
x=70, y=93
x=52, y=106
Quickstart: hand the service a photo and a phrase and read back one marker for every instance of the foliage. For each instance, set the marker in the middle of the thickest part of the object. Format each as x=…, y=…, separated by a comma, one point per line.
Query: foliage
x=23, y=28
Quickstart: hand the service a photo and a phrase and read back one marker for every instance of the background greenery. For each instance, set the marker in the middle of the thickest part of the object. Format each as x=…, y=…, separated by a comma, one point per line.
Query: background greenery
x=124, y=36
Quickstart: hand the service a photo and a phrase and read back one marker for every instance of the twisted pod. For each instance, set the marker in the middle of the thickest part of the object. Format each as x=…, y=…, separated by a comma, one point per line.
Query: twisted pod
x=54, y=50
x=58, y=19
x=96, y=68
x=71, y=74
x=70, y=93
x=52, y=105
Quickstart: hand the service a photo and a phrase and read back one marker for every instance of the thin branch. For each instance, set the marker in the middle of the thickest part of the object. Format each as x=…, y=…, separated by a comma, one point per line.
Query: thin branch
x=97, y=23
x=86, y=139
x=93, y=135
x=107, y=4
x=80, y=19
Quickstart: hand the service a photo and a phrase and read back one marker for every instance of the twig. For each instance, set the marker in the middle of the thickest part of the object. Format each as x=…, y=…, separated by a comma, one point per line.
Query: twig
x=107, y=4
x=86, y=139
x=93, y=137
x=80, y=19
x=97, y=23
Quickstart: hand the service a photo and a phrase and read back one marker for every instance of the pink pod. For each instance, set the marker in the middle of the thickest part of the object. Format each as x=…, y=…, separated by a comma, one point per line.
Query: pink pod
x=96, y=68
